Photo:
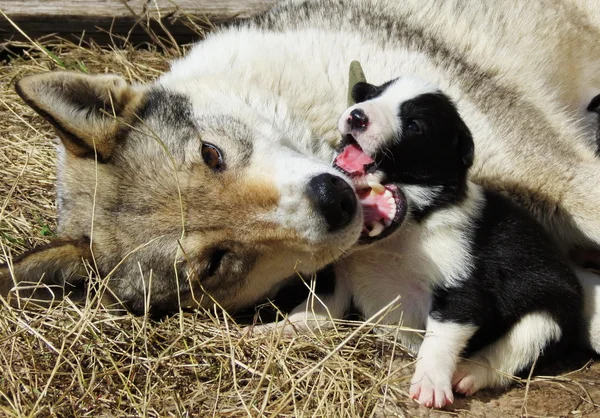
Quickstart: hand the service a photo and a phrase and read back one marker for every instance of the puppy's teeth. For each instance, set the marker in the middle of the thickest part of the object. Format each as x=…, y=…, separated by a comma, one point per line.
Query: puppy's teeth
x=388, y=222
x=387, y=193
x=376, y=229
x=376, y=187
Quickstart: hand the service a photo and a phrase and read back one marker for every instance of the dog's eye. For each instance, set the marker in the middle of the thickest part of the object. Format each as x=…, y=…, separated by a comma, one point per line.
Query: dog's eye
x=212, y=157
x=215, y=261
x=413, y=127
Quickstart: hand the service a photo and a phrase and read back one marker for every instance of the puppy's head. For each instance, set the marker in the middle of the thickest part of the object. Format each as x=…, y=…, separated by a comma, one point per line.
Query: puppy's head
x=183, y=193
x=403, y=132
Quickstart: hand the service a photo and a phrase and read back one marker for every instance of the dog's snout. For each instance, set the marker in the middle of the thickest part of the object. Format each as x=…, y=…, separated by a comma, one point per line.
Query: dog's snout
x=358, y=119
x=334, y=199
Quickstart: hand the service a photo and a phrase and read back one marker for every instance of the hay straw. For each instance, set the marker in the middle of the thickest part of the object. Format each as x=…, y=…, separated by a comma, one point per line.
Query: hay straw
x=78, y=361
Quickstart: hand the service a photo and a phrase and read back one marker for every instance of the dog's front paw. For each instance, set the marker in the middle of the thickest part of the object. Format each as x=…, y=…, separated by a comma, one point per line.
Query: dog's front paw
x=430, y=390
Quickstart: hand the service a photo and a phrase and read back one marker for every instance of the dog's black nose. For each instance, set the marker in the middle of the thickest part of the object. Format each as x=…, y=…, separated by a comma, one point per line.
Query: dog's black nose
x=334, y=199
x=358, y=119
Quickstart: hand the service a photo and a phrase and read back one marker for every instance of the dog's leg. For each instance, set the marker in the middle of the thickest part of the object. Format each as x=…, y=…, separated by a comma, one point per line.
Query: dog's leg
x=590, y=284
x=438, y=356
x=315, y=313
x=496, y=365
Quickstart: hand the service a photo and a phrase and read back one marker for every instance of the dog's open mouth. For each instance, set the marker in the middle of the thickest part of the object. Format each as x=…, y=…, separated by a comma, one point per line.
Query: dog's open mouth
x=383, y=205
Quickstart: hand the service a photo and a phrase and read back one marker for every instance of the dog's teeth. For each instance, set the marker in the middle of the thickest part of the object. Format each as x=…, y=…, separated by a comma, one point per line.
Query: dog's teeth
x=388, y=194
x=376, y=187
x=388, y=221
x=376, y=229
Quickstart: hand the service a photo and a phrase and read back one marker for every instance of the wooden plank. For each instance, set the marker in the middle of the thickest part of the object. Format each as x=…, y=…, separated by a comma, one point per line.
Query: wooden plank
x=71, y=18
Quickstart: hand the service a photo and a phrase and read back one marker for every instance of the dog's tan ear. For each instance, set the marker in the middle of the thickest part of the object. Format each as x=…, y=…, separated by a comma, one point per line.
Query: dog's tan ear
x=47, y=273
x=90, y=112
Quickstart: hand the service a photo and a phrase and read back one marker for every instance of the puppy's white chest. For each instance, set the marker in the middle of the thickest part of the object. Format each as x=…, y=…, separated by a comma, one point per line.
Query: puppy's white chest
x=402, y=272
x=391, y=274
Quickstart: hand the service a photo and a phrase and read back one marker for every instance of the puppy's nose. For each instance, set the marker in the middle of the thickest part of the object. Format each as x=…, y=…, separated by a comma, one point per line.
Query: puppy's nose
x=335, y=200
x=358, y=119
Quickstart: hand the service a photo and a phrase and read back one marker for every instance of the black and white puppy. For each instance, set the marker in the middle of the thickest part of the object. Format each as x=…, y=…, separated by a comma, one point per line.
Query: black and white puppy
x=473, y=269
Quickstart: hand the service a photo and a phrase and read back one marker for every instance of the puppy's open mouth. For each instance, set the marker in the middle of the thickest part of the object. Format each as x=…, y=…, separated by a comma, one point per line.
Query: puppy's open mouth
x=383, y=205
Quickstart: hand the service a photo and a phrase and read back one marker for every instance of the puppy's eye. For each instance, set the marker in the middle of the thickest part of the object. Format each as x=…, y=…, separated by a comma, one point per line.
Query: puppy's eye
x=413, y=127
x=212, y=157
x=215, y=261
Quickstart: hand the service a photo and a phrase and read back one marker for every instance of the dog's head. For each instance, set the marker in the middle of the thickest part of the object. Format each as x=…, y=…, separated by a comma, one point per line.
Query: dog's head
x=182, y=194
x=403, y=132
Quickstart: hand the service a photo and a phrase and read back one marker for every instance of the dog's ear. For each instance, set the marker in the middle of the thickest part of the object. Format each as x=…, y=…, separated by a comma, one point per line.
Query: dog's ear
x=463, y=139
x=47, y=273
x=466, y=145
x=90, y=113
x=362, y=92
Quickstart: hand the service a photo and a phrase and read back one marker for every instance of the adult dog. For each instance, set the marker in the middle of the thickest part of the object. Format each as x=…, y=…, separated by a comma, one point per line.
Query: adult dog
x=214, y=183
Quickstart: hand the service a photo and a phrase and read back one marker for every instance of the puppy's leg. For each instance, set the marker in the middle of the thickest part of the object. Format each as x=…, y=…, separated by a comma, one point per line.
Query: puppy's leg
x=495, y=365
x=590, y=284
x=315, y=313
x=438, y=356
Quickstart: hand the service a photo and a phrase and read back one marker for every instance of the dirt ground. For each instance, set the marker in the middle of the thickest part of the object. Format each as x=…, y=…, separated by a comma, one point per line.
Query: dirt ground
x=571, y=389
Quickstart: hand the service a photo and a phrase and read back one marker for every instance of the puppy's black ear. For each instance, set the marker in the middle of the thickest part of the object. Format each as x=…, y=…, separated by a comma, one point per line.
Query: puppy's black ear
x=466, y=145
x=364, y=91
x=463, y=137
x=594, y=105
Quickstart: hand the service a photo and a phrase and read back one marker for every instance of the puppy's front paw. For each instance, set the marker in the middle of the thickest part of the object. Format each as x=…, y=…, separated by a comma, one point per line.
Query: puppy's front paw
x=469, y=377
x=430, y=390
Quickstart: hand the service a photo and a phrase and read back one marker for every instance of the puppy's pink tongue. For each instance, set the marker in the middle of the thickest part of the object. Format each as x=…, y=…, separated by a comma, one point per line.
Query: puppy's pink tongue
x=354, y=161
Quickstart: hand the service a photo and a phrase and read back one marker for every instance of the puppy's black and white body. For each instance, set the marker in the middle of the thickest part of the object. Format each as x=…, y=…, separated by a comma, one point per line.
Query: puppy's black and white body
x=476, y=271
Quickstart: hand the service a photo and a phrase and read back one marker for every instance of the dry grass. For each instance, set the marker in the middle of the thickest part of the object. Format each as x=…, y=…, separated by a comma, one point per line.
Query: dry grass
x=84, y=361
